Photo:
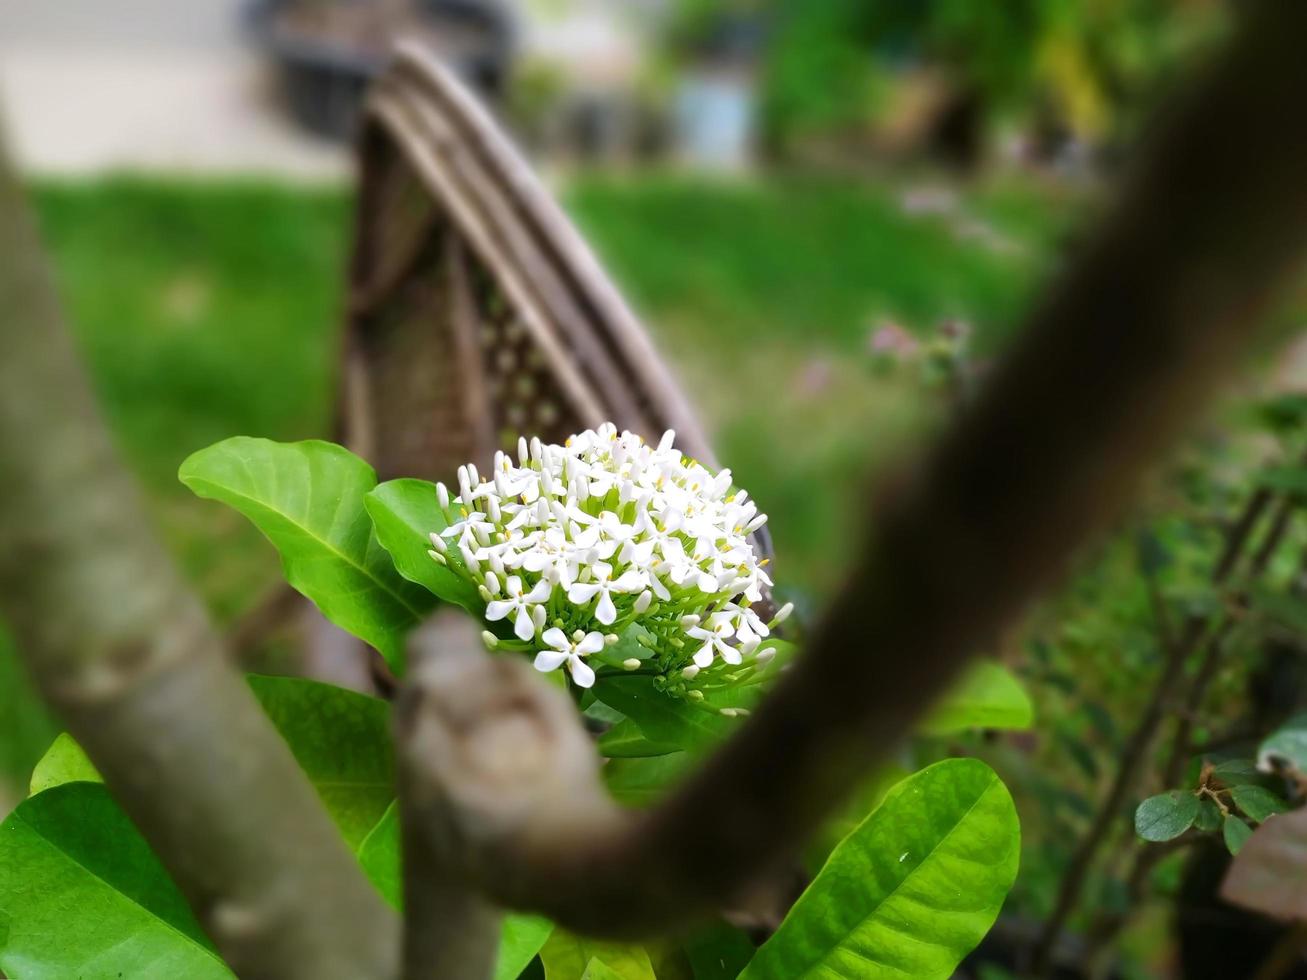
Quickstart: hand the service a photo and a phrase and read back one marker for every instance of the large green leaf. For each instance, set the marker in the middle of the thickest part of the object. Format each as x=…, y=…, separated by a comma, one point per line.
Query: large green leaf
x=379, y=855
x=663, y=719
x=405, y=513
x=341, y=739
x=567, y=956
x=625, y=740
x=718, y=952
x=82, y=895
x=642, y=781
x=988, y=696
x=307, y=499
x=521, y=936
x=912, y=890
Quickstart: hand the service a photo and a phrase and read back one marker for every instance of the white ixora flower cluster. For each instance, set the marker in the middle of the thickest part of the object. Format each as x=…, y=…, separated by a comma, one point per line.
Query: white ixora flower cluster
x=577, y=543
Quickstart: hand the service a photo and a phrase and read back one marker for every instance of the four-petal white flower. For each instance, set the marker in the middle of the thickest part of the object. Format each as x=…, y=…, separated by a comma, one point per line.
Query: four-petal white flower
x=520, y=602
x=570, y=652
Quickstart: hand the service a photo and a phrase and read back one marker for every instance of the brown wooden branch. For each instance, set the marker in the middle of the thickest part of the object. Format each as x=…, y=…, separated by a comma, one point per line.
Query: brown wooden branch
x=125, y=654
x=1125, y=350
x=448, y=721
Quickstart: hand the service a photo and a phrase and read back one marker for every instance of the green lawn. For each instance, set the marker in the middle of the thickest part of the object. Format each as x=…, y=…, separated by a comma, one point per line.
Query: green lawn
x=210, y=309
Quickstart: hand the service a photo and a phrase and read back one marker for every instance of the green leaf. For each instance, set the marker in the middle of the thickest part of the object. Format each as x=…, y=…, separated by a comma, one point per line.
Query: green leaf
x=1167, y=815
x=307, y=499
x=1282, y=413
x=379, y=855
x=987, y=697
x=597, y=969
x=718, y=952
x=1287, y=610
x=63, y=762
x=864, y=800
x=567, y=956
x=1289, y=479
x=405, y=513
x=521, y=936
x=1257, y=803
x=1209, y=816
x=341, y=739
x=662, y=718
x=1287, y=745
x=625, y=741
x=1236, y=834
x=641, y=782
x=82, y=895
x=912, y=890
x=1237, y=772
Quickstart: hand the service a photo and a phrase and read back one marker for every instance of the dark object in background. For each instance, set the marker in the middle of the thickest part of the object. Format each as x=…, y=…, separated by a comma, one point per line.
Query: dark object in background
x=327, y=51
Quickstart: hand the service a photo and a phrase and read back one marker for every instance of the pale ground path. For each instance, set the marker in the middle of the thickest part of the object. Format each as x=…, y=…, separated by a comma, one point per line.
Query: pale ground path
x=89, y=86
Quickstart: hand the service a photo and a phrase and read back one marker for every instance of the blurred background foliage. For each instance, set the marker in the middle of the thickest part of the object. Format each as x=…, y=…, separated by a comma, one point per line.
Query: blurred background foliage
x=914, y=172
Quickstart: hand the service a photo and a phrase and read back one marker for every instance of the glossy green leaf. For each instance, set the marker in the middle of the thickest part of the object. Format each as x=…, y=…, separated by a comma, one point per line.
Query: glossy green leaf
x=567, y=956
x=307, y=499
x=63, y=762
x=1237, y=772
x=640, y=782
x=1209, y=816
x=379, y=855
x=1236, y=834
x=864, y=800
x=1257, y=803
x=718, y=952
x=521, y=936
x=625, y=741
x=82, y=896
x=912, y=890
x=597, y=969
x=1287, y=745
x=988, y=696
x=1167, y=815
x=663, y=719
x=341, y=739
x=405, y=513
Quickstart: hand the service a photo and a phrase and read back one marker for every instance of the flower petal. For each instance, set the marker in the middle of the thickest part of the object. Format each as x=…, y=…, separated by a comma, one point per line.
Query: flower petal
x=498, y=609
x=581, y=672
x=592, y=642
x=556, y=638
x=525, y=628
x=547, y=660
x=606, y=612
x=582, y=592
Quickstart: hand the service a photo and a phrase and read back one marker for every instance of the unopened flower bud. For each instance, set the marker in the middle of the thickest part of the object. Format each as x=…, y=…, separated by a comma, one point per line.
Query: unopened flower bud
x=631, y=663
x=489, y=639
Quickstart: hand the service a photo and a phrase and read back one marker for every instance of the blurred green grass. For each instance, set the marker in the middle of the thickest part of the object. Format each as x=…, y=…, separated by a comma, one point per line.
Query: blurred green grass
x=212, y=309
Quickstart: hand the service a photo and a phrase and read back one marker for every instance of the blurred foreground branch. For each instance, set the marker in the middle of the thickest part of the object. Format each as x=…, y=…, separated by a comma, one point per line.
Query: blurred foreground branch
x=125, y=654
x=1124, y=351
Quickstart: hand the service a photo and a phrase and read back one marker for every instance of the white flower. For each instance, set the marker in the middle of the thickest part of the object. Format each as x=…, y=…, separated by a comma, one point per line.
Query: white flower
x=604, y=586
x=629, y=533
x=521, y=603
x=570, y=652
